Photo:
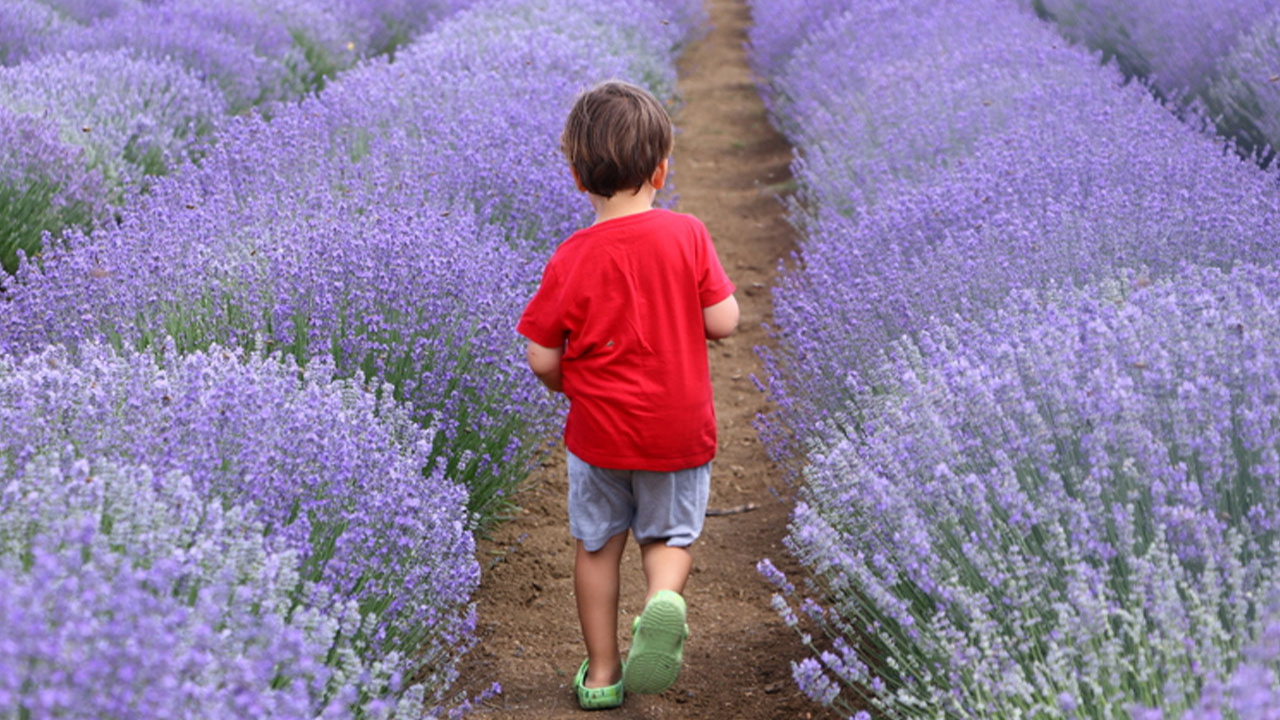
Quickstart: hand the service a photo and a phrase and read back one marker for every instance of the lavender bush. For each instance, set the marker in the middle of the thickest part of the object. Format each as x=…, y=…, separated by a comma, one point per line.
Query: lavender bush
x=85, y=12
x=403, y=250
x=126, y=594
x=45, y=185
x=1246, y=89
x=1067, y=510
x=334, y=475
x=1021, y=498
x=314, y=325
x=133, y=117
x=261, y=53
x=1199, y=56
x=249, y=55
x=1173, y=44
x=27, y=29
x=772, y=40
x=385, y=25
x=1045, y=172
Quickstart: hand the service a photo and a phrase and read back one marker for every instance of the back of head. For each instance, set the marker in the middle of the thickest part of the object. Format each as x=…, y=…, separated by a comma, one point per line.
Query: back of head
x=615, y=137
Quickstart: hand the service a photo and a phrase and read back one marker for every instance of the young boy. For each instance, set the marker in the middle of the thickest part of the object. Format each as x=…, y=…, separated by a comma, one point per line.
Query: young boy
x=619, y=324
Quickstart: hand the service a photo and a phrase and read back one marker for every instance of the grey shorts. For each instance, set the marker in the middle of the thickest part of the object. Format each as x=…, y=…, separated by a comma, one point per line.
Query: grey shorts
x=656, y=506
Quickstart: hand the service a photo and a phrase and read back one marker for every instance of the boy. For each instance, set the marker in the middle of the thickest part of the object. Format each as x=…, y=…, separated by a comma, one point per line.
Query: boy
x=619, y=324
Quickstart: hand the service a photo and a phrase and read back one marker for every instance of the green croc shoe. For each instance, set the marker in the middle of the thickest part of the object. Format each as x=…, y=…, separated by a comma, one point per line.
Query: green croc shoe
x=603, y=698
x=657, y=645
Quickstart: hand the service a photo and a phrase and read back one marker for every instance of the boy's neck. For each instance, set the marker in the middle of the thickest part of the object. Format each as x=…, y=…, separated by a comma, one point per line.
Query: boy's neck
x=623, y=203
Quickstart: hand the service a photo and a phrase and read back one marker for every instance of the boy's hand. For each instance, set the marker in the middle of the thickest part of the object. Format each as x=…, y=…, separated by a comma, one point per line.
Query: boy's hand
x=545, y=363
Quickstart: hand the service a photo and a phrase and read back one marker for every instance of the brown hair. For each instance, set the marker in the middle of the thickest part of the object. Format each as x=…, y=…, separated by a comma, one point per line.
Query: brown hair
x=616, y=136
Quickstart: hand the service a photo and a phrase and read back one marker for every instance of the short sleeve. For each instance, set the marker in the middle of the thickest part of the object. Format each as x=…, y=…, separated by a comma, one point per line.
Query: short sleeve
x=714, y=284
x=543, y=320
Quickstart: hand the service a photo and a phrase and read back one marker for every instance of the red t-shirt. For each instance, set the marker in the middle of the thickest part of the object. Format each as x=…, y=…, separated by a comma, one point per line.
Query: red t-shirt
x=625, y=298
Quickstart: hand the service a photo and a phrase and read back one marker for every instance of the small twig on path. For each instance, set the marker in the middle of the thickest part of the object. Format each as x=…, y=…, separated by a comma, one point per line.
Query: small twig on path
x=732, y=510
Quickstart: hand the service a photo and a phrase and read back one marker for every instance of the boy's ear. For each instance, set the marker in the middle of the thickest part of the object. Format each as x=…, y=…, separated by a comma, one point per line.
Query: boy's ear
x=577, y=180
x=660, y=175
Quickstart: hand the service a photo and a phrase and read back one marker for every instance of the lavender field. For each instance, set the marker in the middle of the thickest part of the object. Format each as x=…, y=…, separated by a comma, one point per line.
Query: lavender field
x=1028, y=377
x=258, y=379
x=260, y=390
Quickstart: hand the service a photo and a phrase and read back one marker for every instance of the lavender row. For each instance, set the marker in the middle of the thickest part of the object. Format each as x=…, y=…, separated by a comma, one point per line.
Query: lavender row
x=127, y=594
x=254, y=51
x=1175, y=45
x=380, y=239
x=394, y=223
x=354, y=545
x=135, y=89
x=1012, y=484
x=934, y=182
x=1244, y=95
x=1221, y=55
x=45, y=185
x=1069, y=509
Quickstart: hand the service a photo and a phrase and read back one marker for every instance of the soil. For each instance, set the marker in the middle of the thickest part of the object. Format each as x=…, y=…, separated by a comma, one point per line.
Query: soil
x=729, y=168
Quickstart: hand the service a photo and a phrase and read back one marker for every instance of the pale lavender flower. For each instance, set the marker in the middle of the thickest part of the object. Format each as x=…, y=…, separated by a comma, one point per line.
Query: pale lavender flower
x=813, y=682
x=333, y=474
x=129, y=594
x=133, y=117
x=1174, y=44
x=45, y=185
x=28, y=29
x=774, y=576
x=1013, y=485
x=1245, y=91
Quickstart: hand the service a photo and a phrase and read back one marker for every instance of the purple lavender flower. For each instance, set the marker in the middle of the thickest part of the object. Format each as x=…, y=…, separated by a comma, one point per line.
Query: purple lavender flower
x=125, y=593
x=401, y=250
x=1245, y=91
x=333, y=474
x=133, y=117
x=27, y=29
x=1039, y=454
x=813, y=682
x=45, y=185
x=1173, y=44
x=86, y=12
x=1026, y=511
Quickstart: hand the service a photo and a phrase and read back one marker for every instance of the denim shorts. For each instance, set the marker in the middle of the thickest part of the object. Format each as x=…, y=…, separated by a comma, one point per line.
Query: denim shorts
x=668, y=506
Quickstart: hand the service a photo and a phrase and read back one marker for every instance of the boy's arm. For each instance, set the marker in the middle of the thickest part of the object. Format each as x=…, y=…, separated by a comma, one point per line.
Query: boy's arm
x=721, y=319
x=545, y=363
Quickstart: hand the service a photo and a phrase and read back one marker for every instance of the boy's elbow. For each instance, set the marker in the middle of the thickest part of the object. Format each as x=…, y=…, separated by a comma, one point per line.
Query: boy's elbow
x=721, y=319
x=543, y=361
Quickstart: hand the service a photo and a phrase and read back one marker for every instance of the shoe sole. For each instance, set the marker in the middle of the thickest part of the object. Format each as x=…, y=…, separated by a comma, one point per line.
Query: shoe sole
x=657, y=651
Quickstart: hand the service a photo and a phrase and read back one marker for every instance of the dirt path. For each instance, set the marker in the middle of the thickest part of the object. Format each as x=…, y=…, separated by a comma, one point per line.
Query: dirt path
x=728, y=166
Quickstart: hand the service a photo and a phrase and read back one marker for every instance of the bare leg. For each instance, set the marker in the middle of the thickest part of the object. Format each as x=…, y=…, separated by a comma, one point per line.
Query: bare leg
x=666, y=567
x=595, y=582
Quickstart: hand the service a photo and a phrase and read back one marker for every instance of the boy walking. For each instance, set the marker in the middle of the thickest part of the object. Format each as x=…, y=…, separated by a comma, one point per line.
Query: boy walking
x=619, y=324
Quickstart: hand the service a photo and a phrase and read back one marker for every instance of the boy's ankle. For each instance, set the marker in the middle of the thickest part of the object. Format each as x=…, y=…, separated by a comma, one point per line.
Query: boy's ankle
x=655, y=593
x=594, y=681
